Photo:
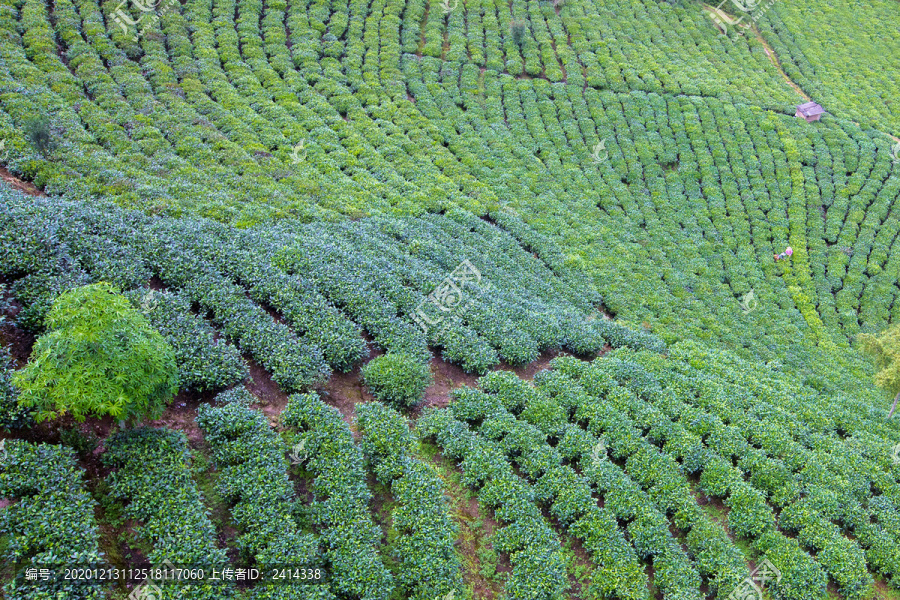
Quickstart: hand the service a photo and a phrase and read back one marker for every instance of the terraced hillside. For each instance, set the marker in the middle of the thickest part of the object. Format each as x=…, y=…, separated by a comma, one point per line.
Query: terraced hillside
x=284, y=189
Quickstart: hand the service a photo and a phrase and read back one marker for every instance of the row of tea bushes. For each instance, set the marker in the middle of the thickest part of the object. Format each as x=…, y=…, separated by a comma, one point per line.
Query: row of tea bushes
x=533, y=547
x=152, y=476
x=341, y=507
x=253, y=477
x=429, y=565
x=51, y=523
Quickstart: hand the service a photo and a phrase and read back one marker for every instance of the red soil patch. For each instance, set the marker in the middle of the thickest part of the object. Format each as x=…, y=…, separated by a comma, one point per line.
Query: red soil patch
x=528, y=371
x=651, y=577
x=23, y=186
x=465, y=512
x=181, y=415
x=345, y=390
x=449, y=376
x=272, y=398
x=883, y=590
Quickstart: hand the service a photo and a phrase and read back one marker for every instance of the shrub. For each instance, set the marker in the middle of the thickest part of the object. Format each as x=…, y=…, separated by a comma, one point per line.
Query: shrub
x=397, y=378
x=38, y=132
x=430, y=566
x=750, y=516
x=11, y=414
x=254, y=479
x=99, y=357
x=340, y=510
x=204, y=362
x=51, y=524
x=153, y=477
x=518, y=31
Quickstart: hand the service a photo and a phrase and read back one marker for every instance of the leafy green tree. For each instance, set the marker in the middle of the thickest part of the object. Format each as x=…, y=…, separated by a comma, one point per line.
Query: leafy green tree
x=518, y=31
x=397, y=378
x=39, y=134
x=100, y=356
x=885, y=349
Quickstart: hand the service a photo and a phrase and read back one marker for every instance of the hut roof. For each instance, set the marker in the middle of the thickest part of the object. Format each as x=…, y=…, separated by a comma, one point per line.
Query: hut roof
x=810, y=109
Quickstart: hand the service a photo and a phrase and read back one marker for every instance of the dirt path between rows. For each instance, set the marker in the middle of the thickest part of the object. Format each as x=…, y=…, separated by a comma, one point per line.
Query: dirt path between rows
x=16, y=183
x=774, y=58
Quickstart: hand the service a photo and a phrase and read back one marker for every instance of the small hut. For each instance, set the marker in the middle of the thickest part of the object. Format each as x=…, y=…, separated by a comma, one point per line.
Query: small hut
x=809, y=111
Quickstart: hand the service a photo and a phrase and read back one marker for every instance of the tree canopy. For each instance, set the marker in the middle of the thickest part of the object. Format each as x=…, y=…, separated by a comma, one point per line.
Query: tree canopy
x=99, y=357
x=885, y=349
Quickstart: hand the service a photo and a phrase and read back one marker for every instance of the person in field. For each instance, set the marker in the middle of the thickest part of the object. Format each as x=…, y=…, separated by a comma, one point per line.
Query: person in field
x=787, y=252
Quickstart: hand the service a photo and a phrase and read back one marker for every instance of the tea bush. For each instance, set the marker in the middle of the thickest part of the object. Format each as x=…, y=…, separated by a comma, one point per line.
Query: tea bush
x=429, y=564
x=253, y=477
x=12, y=416
x=204, y=363
x=51, y=524
x=349, y=537
x=152, y=476
x=400, y=379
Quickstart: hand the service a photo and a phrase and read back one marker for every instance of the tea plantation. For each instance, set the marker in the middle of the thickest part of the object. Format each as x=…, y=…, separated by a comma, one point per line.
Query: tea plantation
x=462, y=299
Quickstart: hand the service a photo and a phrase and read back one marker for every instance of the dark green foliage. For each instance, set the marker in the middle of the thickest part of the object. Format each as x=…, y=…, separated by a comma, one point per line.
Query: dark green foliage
x=82, y=443
x=349, y=537
x=253, y=478
x=517, y=28
x=323, y=282
x=99, y=357
x=39, y=133
x=204, y=363
x=400, y=379
x=12, y=416
x=152, y=477
x=429, y=562
x=52, y=522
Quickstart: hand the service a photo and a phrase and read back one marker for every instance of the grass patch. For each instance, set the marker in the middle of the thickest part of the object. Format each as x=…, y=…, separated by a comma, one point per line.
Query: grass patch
x=484, y=570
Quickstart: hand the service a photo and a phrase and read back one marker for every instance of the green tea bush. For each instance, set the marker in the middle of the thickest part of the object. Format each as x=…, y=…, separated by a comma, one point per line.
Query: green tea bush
x=12, y=416
x=152, y=476
x=204, y=363
x=253, y=478
x=349, y=537
x=296, y=297
x=425, y=550
x=51, y=525
x=400, y=379
x=533, y=546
